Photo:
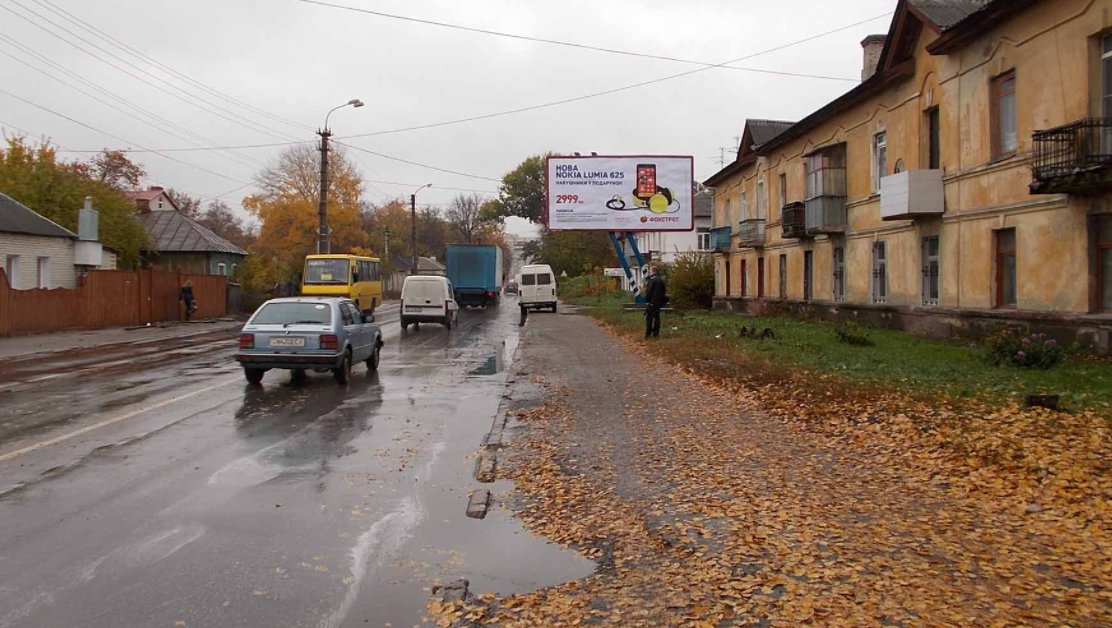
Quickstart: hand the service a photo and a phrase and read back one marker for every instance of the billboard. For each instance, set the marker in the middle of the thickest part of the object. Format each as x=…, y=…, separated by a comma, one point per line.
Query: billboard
x=620, y=193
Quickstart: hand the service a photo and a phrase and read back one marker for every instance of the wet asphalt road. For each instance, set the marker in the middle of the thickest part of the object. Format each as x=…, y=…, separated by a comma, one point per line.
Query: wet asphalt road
x=173, y=493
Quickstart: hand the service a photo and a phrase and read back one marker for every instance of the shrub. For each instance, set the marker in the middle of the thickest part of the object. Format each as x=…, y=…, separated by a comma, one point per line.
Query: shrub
x=1030, y=351
x=853, y=333
x=691, y=280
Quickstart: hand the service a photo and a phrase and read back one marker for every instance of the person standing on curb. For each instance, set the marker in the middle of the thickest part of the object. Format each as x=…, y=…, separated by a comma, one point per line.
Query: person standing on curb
x=656, y=297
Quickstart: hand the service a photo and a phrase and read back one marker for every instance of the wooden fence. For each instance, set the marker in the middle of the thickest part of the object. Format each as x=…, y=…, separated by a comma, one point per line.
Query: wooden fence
x=108, y=298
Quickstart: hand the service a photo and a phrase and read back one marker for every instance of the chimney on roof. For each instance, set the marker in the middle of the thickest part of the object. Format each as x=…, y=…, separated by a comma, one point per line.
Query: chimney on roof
x=873, y=45
x=156, y=188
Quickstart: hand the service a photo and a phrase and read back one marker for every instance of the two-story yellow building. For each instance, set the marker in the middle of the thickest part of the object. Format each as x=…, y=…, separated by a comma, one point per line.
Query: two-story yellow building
x=964, y=184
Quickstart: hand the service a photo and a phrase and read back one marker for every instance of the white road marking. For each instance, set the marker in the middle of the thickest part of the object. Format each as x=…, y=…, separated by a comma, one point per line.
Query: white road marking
x=123, y=417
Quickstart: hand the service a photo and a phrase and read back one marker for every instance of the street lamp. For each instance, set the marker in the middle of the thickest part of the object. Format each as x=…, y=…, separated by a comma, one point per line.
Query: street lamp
x=324, y=232
x=413, y=217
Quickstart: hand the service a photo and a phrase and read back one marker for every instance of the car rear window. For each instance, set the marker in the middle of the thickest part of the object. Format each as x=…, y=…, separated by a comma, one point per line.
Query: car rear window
x=293, y=313
x=528, y=280
x=544, y=279
x=430, y=289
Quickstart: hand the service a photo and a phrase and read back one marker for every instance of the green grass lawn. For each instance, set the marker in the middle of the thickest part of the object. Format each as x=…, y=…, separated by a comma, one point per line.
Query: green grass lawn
x=907, y=362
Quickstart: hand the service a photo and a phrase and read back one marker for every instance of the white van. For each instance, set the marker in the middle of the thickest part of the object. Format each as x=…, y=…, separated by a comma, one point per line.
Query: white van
x=537, y=287
x=428, y=299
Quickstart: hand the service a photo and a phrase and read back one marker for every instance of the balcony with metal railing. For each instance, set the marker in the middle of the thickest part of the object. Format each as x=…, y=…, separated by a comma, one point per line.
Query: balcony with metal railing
x=793, y=220
x=1074, y=158
x=720, y=239
x=751, y=232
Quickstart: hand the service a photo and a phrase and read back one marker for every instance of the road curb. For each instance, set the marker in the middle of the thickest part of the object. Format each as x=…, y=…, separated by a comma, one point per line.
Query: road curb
x=478, y=504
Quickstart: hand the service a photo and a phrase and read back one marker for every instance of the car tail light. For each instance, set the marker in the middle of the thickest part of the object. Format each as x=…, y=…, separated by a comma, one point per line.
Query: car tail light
x=247, y=341
x=446, y=306
x=329, y=341
x=490, y=294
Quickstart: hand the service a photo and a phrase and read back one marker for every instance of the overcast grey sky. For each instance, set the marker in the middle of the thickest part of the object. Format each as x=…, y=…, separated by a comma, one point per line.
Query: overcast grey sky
x=267, y=71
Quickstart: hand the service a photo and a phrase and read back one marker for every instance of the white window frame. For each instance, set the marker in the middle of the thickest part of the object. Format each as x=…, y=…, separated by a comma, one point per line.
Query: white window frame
x=11, y=268
x=704, y=240
x=880, y=272
x=222, y=269
x=744, y=205
x=880, y=158
x=932, y=271
x=762, y=199
x=838, y=273
x=42, y=271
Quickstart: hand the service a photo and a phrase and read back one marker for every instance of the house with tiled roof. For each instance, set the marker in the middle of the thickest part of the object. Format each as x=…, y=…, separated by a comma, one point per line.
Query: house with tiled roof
x=180, y=243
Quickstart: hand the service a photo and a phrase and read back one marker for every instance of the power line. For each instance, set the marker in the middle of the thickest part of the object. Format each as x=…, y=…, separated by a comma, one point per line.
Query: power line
x=543, y=105
x=415, y=163
x=155, y=62
x=115, y=137
x=214, y=110
x=241, y=160
x=557, y=42
x=435, y=187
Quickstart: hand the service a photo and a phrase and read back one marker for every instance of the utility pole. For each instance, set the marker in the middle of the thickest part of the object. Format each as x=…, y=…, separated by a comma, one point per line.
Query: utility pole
x=323, y=245
x=413, y=219
x=386, y=243
x=413, y=235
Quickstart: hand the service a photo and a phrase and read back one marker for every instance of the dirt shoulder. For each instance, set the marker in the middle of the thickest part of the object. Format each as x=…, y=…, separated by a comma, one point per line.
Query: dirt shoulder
x=707, y=501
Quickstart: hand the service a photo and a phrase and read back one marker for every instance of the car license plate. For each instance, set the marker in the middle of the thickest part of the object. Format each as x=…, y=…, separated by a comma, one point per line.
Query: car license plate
x=413, y=308
x=287, y=342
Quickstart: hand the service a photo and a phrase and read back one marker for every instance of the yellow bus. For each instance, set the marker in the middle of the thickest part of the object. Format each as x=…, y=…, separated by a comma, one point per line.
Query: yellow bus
x=352, y=276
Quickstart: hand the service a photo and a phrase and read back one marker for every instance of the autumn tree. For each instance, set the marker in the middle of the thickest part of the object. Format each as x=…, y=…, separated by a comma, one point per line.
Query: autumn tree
x=116, y=170
x=522, y=191
x=220, y=219
x=286, y=207
x=186, y=203
x=56, y=189
x=466, y=217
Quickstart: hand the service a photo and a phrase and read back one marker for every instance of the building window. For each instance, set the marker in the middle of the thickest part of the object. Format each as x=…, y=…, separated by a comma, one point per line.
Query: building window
x=934, y=139
x=221, y=269
x=744, y=278
x=761, y=276
x=1006, y=295
x=880, y=158
x=729, y=212
x=744, y=207
x=783, y=275
x=839, y=274
x=1104, y=260
x=11, y=269
x=762, y=198
x=783, y=189
x=930, y=270
x=44, y=272
x=1004, y=136
x=808, y=274
x=234, y=268
x=880, y=273
x=704, y=240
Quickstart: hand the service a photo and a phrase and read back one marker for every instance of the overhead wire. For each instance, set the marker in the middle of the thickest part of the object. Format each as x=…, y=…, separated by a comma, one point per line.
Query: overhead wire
x=415, y=163
x=549, y=104
x=166, y=68
x=160, y=123
x=556, y=42
x=201, y=103
x=115, y=137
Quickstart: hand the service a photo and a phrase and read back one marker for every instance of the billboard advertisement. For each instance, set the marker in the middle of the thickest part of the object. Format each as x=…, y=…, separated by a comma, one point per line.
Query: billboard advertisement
x=620, y=193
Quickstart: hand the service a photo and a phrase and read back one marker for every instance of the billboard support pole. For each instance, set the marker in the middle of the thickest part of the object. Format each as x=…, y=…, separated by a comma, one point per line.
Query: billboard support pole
x=614, y=239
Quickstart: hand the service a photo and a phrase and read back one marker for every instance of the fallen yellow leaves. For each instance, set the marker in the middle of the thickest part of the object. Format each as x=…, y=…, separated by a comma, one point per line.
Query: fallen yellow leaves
x=733, y=500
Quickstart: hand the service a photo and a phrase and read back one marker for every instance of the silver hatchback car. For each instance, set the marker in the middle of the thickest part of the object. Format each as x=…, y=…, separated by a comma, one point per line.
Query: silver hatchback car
x=301, y=333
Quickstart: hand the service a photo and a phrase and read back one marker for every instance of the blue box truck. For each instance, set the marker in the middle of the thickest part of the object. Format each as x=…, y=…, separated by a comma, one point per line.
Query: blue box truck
x=475, y=271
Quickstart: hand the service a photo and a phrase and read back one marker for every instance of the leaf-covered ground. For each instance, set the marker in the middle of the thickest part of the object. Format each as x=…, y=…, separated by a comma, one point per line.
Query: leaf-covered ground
x=715, y=497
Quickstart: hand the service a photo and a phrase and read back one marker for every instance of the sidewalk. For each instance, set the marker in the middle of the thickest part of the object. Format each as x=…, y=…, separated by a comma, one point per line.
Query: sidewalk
x=18, y=347
x=701, y=507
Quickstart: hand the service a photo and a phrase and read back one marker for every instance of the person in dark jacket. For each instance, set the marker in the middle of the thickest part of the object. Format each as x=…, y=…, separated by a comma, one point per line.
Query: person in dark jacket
x=187, y=297
x=656, y=297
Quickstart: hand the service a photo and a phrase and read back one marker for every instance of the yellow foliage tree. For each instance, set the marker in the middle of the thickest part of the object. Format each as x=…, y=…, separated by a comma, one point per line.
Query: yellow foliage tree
x=286, y=207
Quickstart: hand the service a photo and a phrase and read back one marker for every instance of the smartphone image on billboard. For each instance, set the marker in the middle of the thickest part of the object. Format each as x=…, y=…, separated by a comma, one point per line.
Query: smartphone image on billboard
x=646, y=180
